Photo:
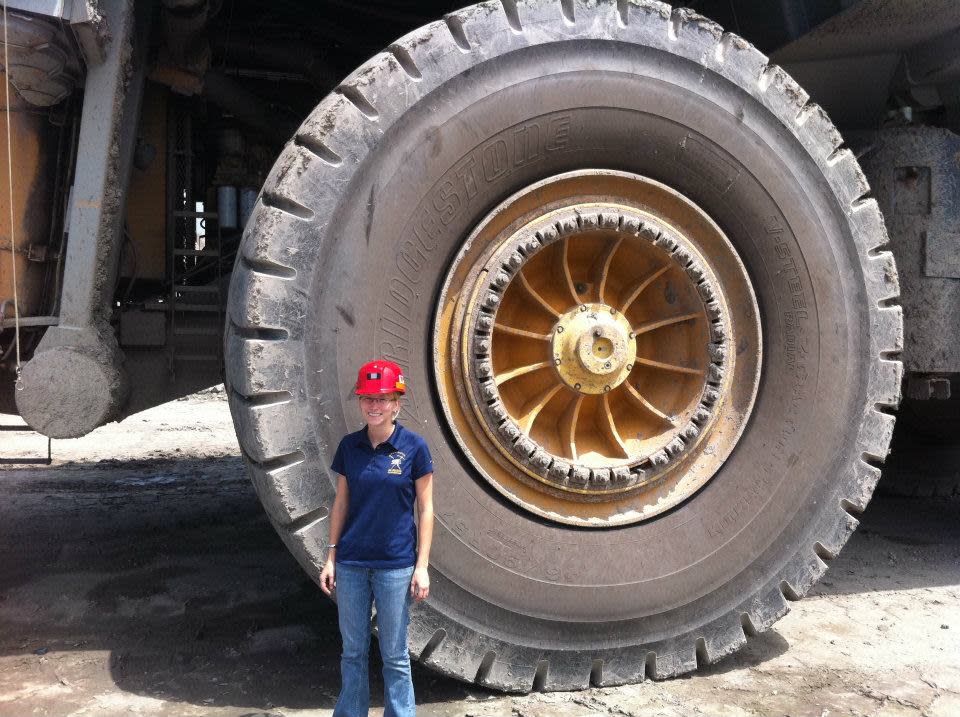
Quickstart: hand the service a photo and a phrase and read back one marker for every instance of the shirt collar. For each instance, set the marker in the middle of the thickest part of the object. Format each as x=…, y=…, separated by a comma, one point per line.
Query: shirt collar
x=363, y=438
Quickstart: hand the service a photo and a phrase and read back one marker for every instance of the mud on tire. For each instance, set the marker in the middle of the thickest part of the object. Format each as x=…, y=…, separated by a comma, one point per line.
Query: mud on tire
x=356, y=227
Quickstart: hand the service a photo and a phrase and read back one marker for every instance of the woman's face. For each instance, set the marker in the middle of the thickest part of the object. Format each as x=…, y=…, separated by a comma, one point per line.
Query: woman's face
x=378, y=411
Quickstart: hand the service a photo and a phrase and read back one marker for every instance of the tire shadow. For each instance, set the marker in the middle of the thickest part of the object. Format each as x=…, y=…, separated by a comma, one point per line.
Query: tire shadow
x=901, y=543
x=174, y=571
x=758, y=649
x=178, y=576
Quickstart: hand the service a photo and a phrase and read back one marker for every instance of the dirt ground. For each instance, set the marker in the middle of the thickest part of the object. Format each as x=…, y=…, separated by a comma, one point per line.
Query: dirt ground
x=139, y=576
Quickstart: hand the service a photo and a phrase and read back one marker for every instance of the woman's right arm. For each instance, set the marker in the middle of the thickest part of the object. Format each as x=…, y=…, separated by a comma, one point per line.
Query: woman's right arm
x=338, y=516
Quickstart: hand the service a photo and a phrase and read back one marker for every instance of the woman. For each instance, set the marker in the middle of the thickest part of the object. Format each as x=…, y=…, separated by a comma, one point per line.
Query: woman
x=377, y=554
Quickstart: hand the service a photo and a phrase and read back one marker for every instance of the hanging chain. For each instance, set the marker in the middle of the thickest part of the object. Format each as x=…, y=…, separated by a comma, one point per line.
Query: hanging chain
x=13, y=243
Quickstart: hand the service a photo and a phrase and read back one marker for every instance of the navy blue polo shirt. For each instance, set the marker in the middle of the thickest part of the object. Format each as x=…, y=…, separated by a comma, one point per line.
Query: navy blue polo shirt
x=380, y=531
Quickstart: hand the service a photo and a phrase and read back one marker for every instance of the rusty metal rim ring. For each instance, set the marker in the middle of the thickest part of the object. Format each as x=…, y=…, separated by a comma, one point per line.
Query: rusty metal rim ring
x=504, y=267
x=684, y=476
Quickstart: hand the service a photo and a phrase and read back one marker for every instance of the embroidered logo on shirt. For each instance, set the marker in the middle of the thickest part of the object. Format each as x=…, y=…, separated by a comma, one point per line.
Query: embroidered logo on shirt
x=396, y=459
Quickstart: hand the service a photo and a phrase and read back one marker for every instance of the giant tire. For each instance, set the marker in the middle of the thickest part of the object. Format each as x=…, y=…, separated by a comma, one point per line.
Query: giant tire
x=519, y=602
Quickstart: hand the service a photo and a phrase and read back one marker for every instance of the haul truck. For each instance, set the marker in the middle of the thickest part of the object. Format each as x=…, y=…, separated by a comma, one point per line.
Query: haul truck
x=655, y=321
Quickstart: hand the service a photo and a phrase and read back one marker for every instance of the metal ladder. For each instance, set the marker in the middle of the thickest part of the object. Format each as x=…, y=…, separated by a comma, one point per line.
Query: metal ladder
x=196, y=301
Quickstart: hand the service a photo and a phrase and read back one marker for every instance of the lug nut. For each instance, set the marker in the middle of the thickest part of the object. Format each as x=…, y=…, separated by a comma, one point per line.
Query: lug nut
x=606, y=365
x=606, y=388
x=583, y=307
x=597, y=333
x=576, y=386
x=557, y=362
x=559, y=329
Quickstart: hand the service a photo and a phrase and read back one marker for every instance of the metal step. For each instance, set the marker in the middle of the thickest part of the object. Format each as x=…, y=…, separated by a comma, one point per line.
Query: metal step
x=205, y=289
x=196, y=252
x=180, y=306
x=196, y=331
x=195, y=215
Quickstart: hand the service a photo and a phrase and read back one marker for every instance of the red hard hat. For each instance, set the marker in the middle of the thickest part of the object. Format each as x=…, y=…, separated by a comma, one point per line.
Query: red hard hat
x=378, y=377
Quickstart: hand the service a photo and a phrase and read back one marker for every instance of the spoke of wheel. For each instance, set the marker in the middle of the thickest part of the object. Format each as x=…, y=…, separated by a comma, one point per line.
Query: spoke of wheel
x=536, y=297
x=532, y=408
x=520, y=371
x=654, y=325
x=565, y=265
x=639, y=398
x=612, y=426
x=605, y=269
x=668, y=366
x=644, y=283
x=568, y=425
x=513, y=331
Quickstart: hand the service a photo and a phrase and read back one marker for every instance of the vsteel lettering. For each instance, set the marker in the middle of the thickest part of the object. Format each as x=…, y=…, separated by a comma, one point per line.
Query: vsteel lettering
x=796, y=343
x=794, y=321
x=707, y=162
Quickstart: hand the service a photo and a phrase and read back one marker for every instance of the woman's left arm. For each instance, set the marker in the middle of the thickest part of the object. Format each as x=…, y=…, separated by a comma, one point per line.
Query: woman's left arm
x=420, y=584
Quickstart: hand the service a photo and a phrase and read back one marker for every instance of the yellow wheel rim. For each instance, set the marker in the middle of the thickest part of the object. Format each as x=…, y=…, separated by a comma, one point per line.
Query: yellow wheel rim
x=582, y=346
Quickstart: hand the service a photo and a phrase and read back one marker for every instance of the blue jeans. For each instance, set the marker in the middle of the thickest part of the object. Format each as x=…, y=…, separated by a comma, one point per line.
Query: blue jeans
x=357, y=590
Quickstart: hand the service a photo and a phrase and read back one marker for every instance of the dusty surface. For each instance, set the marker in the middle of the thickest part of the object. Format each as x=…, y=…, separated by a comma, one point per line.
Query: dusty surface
x=138, y=576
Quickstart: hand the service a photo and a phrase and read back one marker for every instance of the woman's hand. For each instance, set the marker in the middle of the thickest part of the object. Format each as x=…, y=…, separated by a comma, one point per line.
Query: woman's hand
x=328, y=576
x=420, y=584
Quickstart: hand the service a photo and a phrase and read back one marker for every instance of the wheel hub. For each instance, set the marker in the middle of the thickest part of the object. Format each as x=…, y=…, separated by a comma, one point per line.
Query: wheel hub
x=593, y=348
x=587, y=351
